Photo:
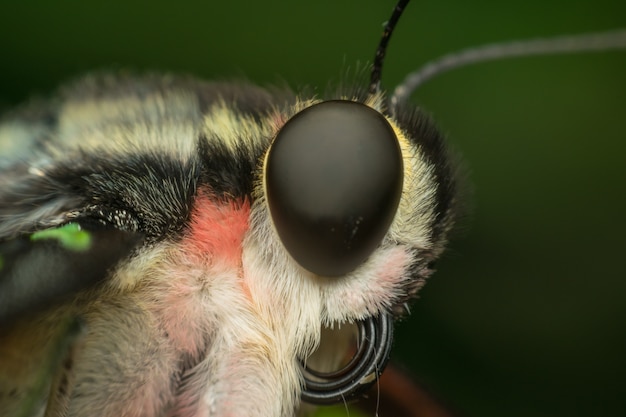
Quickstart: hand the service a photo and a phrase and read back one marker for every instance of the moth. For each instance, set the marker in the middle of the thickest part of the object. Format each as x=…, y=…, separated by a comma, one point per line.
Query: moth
x=178, y=247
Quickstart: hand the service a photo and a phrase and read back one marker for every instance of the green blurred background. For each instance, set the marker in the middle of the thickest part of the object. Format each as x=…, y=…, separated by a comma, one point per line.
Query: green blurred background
x=527, y=313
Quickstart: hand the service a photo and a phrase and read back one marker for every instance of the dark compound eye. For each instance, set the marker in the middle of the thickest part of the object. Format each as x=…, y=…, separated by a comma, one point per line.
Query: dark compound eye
x=333, y=179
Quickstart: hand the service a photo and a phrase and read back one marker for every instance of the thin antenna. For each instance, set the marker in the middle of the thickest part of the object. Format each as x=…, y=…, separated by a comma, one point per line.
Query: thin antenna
x=377, y=66
x=588, y=42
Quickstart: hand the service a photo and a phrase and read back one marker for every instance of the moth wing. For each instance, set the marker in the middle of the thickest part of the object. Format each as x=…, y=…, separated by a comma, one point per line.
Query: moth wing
x=36, y=273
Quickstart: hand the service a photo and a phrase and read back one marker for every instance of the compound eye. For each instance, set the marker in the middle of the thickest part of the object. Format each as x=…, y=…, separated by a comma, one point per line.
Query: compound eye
x=333, y=180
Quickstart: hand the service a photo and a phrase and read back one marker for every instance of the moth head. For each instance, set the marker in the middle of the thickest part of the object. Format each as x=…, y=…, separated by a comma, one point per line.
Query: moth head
x=358, y=204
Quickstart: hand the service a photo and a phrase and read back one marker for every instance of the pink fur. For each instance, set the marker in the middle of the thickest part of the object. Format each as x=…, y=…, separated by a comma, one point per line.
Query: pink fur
x=374, y=292
x=393, y=268
x=388, y=280
x=211, y=250
x=217, y=230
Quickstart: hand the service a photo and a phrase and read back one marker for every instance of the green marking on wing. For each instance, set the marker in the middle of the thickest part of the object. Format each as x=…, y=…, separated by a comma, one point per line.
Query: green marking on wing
x=70, y=236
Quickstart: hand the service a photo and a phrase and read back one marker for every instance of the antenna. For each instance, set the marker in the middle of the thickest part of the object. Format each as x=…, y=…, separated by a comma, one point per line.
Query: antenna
x=588, y=42
x=377, y=66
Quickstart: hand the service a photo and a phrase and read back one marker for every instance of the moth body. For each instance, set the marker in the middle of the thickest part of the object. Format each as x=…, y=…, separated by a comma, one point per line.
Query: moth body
x=205, y=312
